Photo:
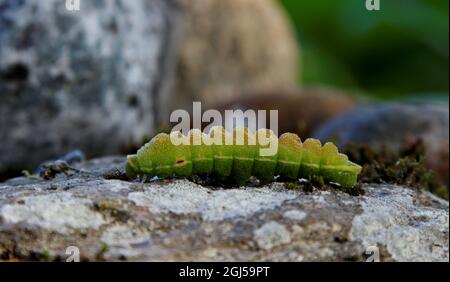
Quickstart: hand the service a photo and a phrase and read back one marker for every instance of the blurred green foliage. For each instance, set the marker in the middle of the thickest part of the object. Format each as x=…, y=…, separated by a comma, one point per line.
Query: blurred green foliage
x=398, y=51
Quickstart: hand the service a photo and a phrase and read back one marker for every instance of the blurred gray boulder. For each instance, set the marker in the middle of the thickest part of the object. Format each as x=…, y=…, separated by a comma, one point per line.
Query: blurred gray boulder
x=92, y=79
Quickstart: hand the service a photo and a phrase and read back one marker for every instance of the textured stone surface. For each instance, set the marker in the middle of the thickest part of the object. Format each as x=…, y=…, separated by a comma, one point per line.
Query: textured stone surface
x=71, y=79
x=408, y=233
x=271, y=234
x=53, y=211
x=231, y=48
x=113, y=219
x=393, y=126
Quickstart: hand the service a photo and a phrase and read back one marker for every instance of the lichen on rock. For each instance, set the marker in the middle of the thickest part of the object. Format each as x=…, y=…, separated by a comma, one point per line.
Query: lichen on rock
x=59, y=212
x=177, y=220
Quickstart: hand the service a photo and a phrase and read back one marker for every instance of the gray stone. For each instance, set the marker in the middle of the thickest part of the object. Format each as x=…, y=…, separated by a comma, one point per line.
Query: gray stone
x=59, y=212
x=181, y=198
x=421, y=236
x=295, y=215
x=393, y=126
x=272, y=234
x=79, y=79
x=177, y=220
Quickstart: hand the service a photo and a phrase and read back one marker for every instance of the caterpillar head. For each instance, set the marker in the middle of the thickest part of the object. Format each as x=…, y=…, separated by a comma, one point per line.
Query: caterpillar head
x=132, y=166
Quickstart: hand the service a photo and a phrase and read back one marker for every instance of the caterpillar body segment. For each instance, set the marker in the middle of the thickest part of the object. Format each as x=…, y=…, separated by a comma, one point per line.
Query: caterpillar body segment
x=311, y=159
x=202, y=156
x=264, y=166
x=289, y=155
x=182, y=154
x=243, y=154
x=222, y=152
x=238, y=155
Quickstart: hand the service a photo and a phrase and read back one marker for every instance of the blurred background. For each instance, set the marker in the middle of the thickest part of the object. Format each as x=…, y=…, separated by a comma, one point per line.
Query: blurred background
x=103, y=79
x=399, y=52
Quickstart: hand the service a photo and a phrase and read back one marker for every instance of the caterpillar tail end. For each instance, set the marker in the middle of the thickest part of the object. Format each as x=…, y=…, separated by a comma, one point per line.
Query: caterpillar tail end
x=353, y=171
x=346, y=176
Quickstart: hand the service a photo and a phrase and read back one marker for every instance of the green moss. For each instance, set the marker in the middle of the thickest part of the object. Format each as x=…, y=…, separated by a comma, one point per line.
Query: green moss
x=46, y=256
x=101, y=252
x=292, y=185
x=406, y=167
x=112, y=208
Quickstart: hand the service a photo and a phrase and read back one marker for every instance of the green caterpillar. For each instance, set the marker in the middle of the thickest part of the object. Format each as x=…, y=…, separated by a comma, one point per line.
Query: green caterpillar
x=208, y=154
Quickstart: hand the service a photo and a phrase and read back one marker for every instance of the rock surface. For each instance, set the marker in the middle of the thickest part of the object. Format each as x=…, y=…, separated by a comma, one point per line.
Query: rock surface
x=393, y=126
x=71, y=79
x=113, y=219
x=231, y=48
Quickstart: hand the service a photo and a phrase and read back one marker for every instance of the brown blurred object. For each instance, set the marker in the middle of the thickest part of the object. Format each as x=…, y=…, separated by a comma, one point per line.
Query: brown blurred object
x=232, y=47
x=299, y=111
x=437, y=155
